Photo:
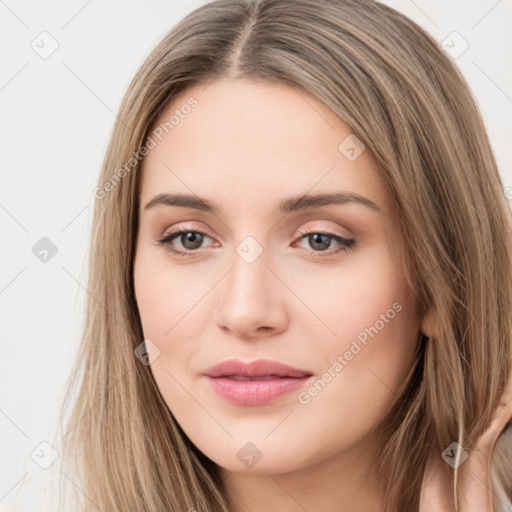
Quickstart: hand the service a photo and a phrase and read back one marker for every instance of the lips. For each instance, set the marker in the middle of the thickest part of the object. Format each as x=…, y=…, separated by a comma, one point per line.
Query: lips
x=263, y=368
x=257, y=383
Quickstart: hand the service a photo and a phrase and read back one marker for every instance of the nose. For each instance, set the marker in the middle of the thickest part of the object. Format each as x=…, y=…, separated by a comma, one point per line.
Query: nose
x=251, y=299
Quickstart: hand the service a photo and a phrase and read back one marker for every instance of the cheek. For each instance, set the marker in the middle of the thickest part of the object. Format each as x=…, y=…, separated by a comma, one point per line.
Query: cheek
x=167, y=301
x=175, y=309
x=169, y=315
x=352, y=296
x=369, y=334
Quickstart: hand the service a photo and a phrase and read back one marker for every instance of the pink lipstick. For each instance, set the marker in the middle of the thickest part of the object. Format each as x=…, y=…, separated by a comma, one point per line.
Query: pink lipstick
x=256, y=383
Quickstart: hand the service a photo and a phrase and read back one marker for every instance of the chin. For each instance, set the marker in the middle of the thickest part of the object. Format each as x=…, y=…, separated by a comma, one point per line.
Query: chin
x=259, y=457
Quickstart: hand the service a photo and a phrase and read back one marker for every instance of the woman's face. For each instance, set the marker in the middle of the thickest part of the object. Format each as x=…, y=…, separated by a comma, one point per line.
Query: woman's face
x=252, y=285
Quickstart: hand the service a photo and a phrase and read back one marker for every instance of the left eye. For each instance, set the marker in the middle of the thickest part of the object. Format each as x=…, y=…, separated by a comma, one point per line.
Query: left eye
x=192, y=240
x=321, y=238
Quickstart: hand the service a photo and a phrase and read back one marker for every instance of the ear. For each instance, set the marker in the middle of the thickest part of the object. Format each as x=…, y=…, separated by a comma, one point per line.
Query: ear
x=429, y=324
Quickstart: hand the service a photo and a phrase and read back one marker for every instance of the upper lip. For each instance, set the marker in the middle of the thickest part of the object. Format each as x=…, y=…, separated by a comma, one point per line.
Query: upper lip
x=259, y=368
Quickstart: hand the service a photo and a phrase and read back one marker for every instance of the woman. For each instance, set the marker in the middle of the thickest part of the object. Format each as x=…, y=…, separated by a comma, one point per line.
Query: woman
x=300, y=276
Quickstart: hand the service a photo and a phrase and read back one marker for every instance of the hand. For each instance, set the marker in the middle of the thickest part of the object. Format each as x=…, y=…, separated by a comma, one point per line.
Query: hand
x=474, y=481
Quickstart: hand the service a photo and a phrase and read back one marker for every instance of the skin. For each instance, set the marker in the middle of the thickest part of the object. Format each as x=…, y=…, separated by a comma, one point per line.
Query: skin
x=245, y=147
x=475, y=487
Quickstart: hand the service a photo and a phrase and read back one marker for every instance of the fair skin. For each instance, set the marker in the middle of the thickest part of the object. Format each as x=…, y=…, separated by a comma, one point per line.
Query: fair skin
x=246, y=147
x=475, y=492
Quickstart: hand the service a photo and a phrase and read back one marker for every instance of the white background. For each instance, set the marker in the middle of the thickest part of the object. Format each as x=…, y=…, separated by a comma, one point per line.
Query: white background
x=56, y=117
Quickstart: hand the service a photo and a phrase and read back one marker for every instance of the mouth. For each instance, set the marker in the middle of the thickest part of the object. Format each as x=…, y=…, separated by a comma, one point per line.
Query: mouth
x=257, y=383
x=256, y=390
x=267, y=377
x=255, y=369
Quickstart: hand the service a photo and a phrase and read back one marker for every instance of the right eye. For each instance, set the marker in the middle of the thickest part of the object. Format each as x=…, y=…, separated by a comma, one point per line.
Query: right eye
x=193, y=238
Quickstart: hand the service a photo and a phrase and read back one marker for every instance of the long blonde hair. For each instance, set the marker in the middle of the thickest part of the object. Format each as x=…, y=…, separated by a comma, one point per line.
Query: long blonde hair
x=406, y=100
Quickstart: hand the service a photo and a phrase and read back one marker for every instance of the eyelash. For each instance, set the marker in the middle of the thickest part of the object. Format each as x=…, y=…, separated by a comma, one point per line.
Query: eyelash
x=346, y=243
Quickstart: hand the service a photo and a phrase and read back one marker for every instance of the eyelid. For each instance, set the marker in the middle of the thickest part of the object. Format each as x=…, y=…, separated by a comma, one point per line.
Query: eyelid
x=303, y=230
x=182, y=227
x=346, y=243
x=307, y=229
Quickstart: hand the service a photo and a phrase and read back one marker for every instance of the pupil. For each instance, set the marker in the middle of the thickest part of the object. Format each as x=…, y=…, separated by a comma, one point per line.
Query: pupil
x=192, y=236
x=325, y=239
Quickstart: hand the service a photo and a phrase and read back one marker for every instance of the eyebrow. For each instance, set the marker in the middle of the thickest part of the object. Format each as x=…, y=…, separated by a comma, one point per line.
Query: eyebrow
x=292, y=204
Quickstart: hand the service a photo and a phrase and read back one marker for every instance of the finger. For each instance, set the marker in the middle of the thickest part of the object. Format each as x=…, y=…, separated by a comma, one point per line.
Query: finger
x=437, y=490
x=474, y=489
x=474, y=492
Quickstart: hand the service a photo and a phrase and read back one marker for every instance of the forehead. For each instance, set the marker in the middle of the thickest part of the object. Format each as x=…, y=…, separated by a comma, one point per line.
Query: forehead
x=249, y=141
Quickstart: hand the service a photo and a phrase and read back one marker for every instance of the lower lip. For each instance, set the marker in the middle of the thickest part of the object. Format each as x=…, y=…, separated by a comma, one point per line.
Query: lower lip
x=255, y=392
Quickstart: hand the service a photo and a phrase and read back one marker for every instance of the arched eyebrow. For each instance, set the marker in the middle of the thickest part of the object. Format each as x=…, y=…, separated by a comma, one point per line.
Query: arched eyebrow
x=292, y=204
